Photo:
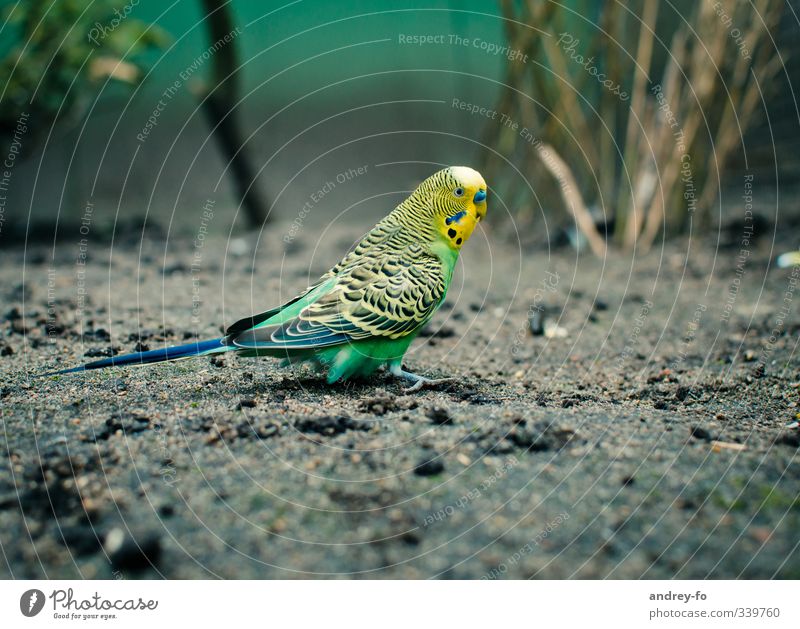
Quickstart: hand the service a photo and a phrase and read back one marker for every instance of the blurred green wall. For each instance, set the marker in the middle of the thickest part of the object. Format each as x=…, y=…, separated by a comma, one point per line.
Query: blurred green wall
x=347, y=64
x=327, y=41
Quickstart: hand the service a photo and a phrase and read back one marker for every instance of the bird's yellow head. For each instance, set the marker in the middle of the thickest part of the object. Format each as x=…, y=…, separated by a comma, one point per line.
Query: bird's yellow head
x=456, y=196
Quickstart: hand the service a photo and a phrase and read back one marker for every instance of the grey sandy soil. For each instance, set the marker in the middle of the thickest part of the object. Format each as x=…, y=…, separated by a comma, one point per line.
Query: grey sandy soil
x=625, y=444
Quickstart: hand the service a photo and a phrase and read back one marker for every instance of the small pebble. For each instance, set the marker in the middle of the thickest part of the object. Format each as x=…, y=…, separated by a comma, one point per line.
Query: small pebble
x=698, y=432
x=536, y=321
x=429, y=467
x=439, y=415
x=131, y=554
x=555, y=331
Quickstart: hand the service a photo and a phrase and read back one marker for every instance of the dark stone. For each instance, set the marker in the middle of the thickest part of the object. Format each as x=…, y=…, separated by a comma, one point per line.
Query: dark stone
x=99, y=334
x=81, y=540
x=536, y=321
x=541, y=437
x=476, y=397
x=141, y=335
x=329, y=426
x=429, y=467
x=102, y=352
x=439, y=415
x=53, y=328
x=698, y=432
x=443, y=332
x=116, y=425
x=175, y=267
x=165, y=333
x=410, y=538
x=791, y=439
x=137, y=554
x=13, y=314
x=682, y=392
x=379, y=404
x=21, y=326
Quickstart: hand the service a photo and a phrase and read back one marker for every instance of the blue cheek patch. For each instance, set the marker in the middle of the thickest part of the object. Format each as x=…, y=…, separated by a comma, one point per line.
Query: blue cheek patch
x=455, y=218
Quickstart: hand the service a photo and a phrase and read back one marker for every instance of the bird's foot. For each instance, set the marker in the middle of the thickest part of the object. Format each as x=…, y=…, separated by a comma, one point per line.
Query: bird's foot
x=419, y=382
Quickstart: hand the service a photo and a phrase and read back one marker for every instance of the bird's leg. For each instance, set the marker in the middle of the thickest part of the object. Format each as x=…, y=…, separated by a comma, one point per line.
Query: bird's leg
x=418, y=382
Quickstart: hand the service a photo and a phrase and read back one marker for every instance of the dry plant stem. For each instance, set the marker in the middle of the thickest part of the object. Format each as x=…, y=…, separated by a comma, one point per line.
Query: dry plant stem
x=744, y=92
x=668, y=149
x=636, y=115
x=665, y=143
x=521, y=38
x=609, y=103
x=570, y=107
x=219, y=105
x=688, y=106
x=729, y=137
x=741, y=101
x=572, y=197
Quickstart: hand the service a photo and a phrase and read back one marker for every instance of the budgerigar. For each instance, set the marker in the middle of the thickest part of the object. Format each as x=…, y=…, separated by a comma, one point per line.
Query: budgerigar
x=364, y=313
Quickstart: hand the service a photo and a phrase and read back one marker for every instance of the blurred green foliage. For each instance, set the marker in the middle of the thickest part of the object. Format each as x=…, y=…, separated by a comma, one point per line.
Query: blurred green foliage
x=55, y=54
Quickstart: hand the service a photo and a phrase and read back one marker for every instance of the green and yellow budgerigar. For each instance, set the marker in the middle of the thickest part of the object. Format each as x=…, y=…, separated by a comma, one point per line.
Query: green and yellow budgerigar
x=365, y=312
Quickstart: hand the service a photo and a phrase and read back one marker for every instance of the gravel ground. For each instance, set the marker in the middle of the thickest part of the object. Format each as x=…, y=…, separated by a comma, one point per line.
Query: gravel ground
x=642, y=434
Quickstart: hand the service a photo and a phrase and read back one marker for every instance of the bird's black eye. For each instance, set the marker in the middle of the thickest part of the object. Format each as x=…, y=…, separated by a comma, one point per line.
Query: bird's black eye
x=459, y=192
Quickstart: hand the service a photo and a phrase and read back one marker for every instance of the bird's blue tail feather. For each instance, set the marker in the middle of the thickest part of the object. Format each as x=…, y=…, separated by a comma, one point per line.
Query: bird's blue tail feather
x=200, y=348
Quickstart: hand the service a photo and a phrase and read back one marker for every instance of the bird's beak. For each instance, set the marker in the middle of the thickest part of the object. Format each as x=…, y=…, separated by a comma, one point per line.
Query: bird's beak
x=479, y=201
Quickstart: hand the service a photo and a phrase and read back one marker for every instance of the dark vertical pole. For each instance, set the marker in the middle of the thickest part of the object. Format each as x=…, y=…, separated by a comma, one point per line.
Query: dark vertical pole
x=219, y=104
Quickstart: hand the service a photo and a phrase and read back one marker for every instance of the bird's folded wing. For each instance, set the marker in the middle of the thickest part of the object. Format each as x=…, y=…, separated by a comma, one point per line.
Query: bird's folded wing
x=373, y=243
x=388, y=296
x=255, y=320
